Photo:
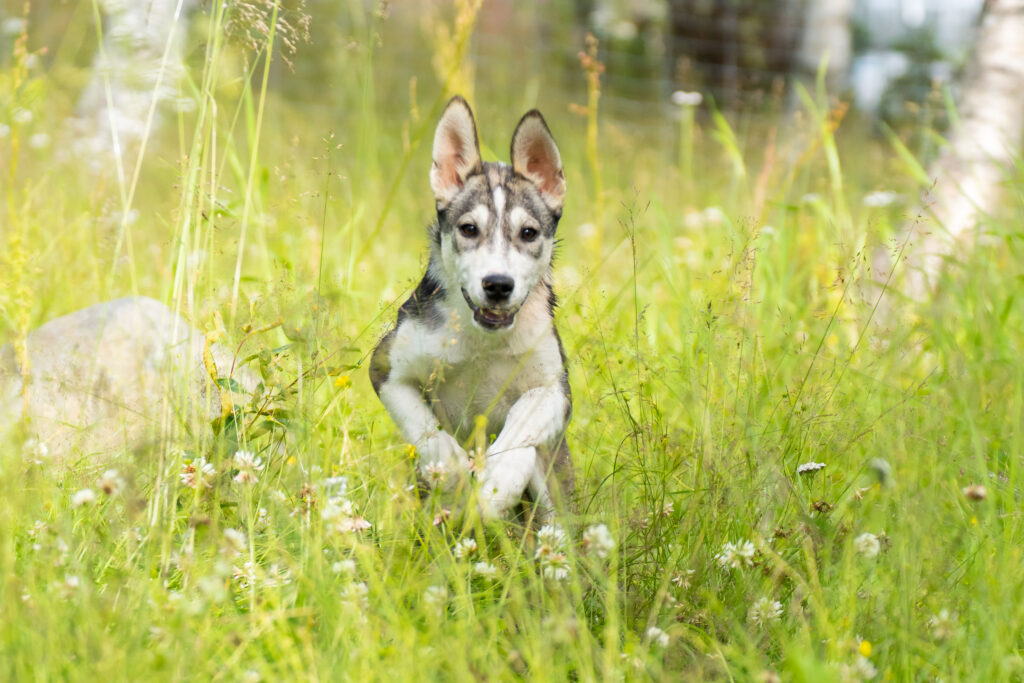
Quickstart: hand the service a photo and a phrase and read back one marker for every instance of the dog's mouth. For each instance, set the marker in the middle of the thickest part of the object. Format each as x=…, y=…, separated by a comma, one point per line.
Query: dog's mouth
x=490, y=318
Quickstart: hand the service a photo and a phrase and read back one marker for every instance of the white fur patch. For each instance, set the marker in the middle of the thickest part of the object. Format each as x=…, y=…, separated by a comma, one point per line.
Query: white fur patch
x=499, y=203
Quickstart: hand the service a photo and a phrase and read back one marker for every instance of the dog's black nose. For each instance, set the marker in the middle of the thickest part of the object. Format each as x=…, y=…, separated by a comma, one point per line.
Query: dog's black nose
x=498, y=287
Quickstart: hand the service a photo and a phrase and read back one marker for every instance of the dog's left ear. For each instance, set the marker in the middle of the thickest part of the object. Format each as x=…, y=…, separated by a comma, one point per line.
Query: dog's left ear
x=535, y=156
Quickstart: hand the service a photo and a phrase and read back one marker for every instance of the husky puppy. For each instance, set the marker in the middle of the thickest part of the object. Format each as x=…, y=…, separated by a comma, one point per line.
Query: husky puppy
x=475, y=346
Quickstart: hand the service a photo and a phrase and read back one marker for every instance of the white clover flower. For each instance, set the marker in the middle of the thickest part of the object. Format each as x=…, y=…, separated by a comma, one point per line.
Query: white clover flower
x=864, y=668
x=682, y=98
x=83, y=497
x=598, y=541
x=656, y=636
x=435, y=473
x=34, y=450
x=110, y=482
x=942, y=625
x=867, y=544
x=262, y=519
x=464, y=548
x=736, y=555
x=764, y=611
x=435, y=598
x=197, y=474
x=485, y=569
x=235, y=541
x=248, y=466
x=552, y=535
x=555, y=566
x=809, y=467
x=340, y=515
x=245, y=575
x=12, y=26
x=682, y=580
x=878, y=200
x=345, y=566
x=276, y=576
x=336, y=486
x=355, y=593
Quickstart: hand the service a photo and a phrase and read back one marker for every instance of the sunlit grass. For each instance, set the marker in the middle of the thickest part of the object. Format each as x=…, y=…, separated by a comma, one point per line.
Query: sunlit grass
x=719, y=338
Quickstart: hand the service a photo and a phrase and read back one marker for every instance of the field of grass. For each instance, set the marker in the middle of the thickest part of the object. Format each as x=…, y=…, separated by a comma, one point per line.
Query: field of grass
x=717, y=312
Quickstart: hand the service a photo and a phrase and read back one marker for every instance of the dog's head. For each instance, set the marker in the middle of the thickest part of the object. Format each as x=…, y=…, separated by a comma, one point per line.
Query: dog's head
x=495, y=223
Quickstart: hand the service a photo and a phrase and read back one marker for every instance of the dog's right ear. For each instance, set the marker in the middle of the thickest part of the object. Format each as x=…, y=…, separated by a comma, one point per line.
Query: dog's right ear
x=456, y=151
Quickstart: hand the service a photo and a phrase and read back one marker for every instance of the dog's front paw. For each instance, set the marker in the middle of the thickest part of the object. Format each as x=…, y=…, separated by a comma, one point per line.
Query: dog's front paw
x=443, y=463
x=504, y=479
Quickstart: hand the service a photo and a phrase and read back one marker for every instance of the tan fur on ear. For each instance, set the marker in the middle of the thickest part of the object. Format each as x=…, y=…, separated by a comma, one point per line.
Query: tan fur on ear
x=456, y=151
x=535, y=156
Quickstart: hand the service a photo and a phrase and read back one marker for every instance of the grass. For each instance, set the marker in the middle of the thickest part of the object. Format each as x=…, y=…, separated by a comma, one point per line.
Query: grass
x=719, y=336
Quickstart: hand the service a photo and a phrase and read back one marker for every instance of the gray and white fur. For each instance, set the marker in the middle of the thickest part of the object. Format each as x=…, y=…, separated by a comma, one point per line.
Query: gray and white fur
x=477, y=337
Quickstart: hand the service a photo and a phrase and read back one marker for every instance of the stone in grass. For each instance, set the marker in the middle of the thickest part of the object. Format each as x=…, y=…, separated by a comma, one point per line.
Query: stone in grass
x=121, y=374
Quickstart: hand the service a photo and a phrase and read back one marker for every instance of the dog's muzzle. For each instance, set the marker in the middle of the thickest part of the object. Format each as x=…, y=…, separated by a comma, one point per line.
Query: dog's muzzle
x=490, y=318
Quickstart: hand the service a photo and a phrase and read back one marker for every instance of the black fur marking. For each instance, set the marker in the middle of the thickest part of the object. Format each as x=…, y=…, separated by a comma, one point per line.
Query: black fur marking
x=421, y=305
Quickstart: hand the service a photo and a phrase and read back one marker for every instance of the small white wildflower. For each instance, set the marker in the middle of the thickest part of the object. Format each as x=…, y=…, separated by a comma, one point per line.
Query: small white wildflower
x=682, y=98
x=197, y=474
x=212, y=588
x=555, y=566
x=464, y=548
x=276, y=576
x=942, y=625
x=435, y=598
x=248, y=466
x=39, y=141
x=552, y=534
x=682, y=580
x=5, y=130
x=83, y=497
x=355, y=593
x=34, y=450
x=435, y=473
x=864, y=668
x=262, y=519
x=12, y=26
x=245, y=575
x=656, y=636
x=340, y=515
x=485, y=569
x=809, y=467
x=110, y=482
x=345, y=566
x=235, y=542
x=22, y=116
x=736, y=555
x=867, y=544
x=878, y=200
x=764, y=611
x=251, y=676
x=336, y=486
x=37, y=528
x=598, y=540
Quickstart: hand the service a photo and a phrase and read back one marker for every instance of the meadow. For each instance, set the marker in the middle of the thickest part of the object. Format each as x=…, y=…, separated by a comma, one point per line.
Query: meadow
x=802, y=477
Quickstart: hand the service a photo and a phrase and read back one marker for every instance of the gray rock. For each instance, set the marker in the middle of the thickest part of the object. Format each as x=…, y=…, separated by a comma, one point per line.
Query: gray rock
x=117, y=375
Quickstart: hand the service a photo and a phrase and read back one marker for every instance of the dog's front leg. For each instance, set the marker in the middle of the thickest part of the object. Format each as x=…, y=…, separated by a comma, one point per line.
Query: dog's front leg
x=537, y=420
x=439, y=457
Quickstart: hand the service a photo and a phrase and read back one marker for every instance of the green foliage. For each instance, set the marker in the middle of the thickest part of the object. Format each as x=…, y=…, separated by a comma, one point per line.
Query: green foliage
x=719, y=338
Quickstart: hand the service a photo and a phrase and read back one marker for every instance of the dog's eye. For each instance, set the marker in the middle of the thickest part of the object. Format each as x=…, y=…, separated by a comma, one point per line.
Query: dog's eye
x=468, y=230
x=528, y=234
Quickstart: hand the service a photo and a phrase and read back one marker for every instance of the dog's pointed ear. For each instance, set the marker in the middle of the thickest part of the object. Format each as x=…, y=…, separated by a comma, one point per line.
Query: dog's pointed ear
x=535, y=156
x=456, y=151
